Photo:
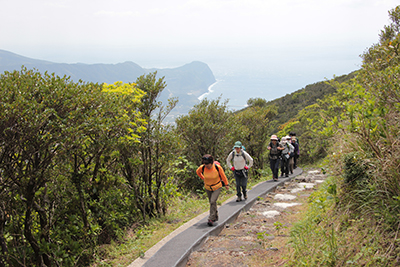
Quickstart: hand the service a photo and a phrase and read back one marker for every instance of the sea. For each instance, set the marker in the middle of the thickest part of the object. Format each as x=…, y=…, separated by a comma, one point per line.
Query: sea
x=259, y=74
x=238, y=86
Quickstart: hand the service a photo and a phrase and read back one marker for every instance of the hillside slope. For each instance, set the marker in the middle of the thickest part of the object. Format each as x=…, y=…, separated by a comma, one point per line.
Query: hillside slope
x=289, y=105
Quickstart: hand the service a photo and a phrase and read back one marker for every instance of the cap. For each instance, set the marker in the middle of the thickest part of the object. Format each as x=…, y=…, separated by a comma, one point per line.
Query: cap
x=238, y=144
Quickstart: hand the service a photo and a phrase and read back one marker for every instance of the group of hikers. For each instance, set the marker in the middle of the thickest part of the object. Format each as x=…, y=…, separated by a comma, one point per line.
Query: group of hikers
x=283, y=153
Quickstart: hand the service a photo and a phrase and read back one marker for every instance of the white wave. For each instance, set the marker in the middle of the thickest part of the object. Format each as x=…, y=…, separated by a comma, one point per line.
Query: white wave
x=210, y=90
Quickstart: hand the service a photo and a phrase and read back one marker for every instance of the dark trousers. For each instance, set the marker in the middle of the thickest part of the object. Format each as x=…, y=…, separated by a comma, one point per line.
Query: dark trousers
x=295, y=160
x=241, y=182
x=274, y=165
x=284, y=165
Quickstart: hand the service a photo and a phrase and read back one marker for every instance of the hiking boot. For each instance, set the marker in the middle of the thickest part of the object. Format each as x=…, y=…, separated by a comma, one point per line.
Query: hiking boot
x=245, y=196
x=239, y=199
x=210, y=223
x=287, y=175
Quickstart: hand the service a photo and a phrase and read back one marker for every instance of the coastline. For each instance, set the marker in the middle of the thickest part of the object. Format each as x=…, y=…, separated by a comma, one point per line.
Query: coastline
x=209, y=91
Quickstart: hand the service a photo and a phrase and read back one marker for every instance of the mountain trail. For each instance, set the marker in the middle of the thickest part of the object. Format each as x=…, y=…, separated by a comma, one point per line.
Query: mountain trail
x=259, y=237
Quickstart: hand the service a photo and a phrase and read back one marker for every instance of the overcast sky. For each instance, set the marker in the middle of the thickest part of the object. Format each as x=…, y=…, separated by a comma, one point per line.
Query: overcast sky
x=99, y=28
x=320, y=35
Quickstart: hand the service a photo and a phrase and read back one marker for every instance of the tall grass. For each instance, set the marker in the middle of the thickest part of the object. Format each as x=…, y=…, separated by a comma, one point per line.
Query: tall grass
x=348, y=222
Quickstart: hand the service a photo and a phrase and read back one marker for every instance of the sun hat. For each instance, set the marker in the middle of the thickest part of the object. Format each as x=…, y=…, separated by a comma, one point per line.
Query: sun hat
x=274, y=137
x=238, y=144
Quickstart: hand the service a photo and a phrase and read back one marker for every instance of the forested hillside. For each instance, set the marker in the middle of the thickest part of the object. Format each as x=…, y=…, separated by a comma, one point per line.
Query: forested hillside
x=84, y=162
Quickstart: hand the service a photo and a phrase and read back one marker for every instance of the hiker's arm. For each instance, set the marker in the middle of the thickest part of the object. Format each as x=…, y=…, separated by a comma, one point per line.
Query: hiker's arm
x=228, y=160
x=223, y=177
x=198, y=172
x=249, y=159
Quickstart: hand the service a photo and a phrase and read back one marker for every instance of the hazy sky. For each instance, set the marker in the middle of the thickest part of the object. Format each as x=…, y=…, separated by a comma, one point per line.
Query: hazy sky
x=290, y=35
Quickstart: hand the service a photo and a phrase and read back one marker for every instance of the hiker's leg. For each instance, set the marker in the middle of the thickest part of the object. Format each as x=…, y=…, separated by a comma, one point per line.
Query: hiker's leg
x=213, y=204
x=244, y=186
x=286, y=167
x=209, y=194
x=277, y=167
x=272, y=164
x=291, y=163
x=237, y=180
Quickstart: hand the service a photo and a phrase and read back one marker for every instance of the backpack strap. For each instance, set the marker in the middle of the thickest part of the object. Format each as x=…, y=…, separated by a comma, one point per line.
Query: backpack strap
x=233, y=156
x=202, y=170
x=216, y=166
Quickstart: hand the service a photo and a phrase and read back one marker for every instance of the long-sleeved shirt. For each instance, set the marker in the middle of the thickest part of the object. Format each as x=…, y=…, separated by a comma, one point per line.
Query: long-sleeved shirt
x=289, y=148
x=212, y=178
x=238, y=160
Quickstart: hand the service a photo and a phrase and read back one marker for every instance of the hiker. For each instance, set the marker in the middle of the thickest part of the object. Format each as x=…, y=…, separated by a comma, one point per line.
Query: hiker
x=214, y=178
x=291, y=154
x=275, y=149
x=296, y=151
x=239, y=161
x=288, y=148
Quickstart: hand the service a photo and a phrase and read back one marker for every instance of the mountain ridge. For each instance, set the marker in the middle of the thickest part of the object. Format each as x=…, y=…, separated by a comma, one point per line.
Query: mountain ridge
x=185, y=82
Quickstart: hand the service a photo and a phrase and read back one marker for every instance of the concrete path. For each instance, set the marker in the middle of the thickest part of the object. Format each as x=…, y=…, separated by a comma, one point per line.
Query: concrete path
x=176, y=251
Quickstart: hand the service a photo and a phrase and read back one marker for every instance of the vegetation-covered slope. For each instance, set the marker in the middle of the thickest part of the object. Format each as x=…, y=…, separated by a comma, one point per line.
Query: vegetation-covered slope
x=355, y=220
x=289, y=105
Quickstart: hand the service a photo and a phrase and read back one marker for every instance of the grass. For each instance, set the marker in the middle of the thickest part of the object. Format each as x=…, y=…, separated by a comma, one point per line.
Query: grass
x=329, y=235
x=139, y=239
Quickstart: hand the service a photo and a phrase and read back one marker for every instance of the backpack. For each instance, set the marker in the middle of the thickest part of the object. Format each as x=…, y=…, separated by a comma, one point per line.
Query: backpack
x=233, y=156
x=277, y=155
x=216, y=166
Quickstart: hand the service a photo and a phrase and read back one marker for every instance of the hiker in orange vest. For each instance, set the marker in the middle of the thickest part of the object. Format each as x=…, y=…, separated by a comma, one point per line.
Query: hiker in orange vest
x=214, y=178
